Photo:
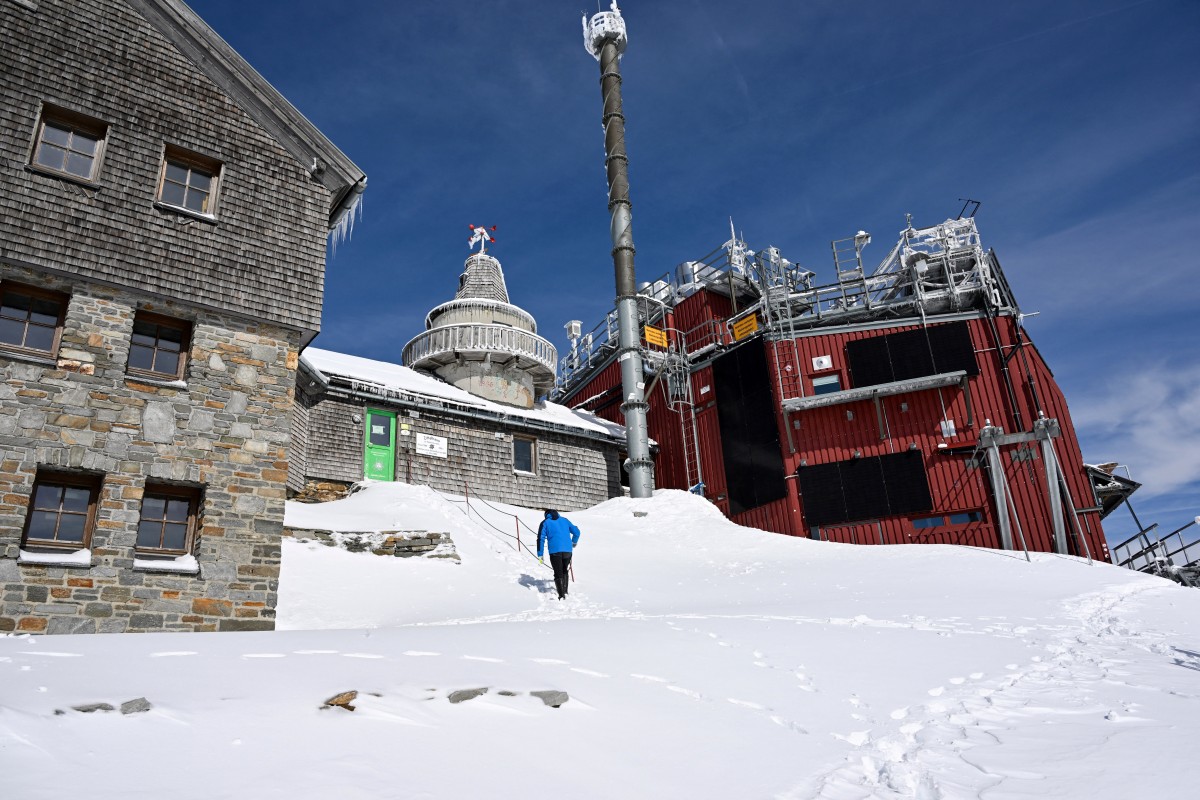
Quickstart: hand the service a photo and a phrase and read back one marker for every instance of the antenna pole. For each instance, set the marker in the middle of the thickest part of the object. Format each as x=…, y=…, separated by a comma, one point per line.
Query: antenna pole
x=605, y=38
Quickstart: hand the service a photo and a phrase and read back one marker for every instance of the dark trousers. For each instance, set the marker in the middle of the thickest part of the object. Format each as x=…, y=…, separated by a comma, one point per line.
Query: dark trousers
x=562, y=572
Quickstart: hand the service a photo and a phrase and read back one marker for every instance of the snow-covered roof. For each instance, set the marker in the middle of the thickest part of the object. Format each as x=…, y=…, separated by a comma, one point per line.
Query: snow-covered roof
x=399, y=383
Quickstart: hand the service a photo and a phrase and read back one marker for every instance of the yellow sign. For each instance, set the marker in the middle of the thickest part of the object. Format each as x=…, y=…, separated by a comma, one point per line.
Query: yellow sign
x=655, y=336
x=744, y=327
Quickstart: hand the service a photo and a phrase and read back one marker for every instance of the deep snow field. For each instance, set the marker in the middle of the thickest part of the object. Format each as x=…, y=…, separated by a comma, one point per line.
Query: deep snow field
x=702, y=660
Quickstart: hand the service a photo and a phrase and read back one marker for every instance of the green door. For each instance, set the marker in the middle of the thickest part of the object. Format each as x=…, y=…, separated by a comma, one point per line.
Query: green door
x=379, y=450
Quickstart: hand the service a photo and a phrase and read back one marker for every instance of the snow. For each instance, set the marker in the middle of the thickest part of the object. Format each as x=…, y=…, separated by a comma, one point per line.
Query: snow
x=74, y=558
x=702, y=660
x=408, y=383
x=185, y=564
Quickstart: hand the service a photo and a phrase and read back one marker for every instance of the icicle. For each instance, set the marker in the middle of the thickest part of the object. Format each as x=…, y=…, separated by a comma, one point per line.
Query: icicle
x=343, y=229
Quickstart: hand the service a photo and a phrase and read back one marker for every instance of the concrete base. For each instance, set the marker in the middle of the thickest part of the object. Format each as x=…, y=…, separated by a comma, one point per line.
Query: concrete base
x=481, y=380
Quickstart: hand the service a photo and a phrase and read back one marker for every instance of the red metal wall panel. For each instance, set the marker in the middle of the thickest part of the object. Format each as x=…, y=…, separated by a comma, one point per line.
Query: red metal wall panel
x=1012, y=387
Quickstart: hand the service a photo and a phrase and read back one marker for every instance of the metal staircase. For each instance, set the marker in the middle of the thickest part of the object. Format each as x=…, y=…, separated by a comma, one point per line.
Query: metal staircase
x=1171, y=556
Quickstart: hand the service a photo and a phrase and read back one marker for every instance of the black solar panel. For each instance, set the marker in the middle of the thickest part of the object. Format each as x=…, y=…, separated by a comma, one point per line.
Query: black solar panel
x=749, y=436
x=906, y=481
x=821, y=489
x=912, y=354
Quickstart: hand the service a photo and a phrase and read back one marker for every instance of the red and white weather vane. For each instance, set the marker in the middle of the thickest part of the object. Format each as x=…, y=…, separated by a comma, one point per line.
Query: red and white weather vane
x=480, y=236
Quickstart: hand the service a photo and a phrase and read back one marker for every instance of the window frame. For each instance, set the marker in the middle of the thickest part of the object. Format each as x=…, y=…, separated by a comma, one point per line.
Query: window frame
x=75, y=122
x=170, y=491
x=533, y=459
x=185, y=347
x=35, y=292
x=87, y=481
x=192, y=161
x=825, y=377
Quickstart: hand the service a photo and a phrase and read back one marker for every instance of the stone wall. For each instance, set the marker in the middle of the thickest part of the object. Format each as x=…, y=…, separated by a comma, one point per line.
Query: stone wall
x=224, y=430
x=400, y=544
x=573, y=471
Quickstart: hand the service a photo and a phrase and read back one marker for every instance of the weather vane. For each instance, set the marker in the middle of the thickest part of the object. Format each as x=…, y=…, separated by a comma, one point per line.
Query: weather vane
x=480, y=236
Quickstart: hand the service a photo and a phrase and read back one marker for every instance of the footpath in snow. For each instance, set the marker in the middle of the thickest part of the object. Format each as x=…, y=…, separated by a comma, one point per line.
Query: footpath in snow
x=701, y=660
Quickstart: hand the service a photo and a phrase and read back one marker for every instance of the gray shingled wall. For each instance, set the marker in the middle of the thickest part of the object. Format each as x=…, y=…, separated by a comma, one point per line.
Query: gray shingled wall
x=572, y=471
x=265, y=256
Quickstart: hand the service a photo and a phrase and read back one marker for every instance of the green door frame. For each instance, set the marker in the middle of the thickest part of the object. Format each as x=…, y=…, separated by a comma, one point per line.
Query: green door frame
x=379, y=445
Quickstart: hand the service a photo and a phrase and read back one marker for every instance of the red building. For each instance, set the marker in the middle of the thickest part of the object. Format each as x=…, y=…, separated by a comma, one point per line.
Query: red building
x=901, y=405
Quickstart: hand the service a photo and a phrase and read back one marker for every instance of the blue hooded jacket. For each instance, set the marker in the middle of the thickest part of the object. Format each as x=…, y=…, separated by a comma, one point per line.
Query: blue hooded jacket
x=557, y=532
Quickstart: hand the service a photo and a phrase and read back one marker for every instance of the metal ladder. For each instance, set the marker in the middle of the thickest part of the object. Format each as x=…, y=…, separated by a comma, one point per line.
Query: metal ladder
x=847, y=259
x=681, y=400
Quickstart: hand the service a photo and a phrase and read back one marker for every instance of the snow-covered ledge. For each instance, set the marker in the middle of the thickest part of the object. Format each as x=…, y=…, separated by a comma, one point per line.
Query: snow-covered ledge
x=182, y=565
x=75, y=558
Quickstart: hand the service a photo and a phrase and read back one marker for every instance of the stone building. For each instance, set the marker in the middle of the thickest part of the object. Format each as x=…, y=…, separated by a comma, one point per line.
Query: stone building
x=462, y=416
x=163, y=222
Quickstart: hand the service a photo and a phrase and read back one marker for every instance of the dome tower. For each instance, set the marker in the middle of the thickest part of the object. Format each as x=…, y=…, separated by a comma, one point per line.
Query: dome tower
x=482, y=343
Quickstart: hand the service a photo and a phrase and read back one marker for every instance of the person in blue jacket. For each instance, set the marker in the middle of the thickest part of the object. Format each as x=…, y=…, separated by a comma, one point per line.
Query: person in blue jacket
x=559, y=536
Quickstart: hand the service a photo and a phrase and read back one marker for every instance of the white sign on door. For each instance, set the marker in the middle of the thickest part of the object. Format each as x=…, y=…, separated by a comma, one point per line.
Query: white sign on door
x=431, y=445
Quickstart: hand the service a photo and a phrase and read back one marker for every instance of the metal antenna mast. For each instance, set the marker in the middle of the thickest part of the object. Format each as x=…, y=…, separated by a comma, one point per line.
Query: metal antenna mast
x=604, y=37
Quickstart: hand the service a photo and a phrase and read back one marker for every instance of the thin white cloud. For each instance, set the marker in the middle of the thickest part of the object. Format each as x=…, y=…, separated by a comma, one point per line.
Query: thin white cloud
x=1147, y=417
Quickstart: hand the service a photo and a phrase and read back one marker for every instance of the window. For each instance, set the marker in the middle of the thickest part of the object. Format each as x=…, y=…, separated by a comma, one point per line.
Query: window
x=31, y=319
x=959, y=518
x=62, y=512
x=158, y=347
x=524, y=454
x=827, y=384
x=168, y=521
x=69, y=144
x=189, y=181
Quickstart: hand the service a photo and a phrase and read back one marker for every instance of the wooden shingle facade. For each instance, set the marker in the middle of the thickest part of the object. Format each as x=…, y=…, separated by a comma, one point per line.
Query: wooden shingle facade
x=357, y=418
x=164, y=215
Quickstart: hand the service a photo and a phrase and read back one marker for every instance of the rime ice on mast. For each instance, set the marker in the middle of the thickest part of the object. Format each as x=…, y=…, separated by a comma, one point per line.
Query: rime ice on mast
x=605, y=39
x=482, y=343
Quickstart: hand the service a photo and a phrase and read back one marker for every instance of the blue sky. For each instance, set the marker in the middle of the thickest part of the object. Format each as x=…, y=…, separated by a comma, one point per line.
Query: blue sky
x=1077, y=124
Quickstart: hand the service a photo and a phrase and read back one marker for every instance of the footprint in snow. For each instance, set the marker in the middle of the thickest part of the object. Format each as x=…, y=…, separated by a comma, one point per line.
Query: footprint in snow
x=937, y=691
x=590, y=672
x=899, y=713
x=361, y=655
x=745, y=704
x=651, y=678
x=314, y=652
x=689, y=692
x=420, y=653
x=548, y=661
x=488, y=659
x=957, y=681
x=264, y=655
x=172, y=653
x=787, y=723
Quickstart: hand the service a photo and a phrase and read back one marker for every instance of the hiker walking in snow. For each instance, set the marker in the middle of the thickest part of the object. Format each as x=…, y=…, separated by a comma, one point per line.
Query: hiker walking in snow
x=559, y=536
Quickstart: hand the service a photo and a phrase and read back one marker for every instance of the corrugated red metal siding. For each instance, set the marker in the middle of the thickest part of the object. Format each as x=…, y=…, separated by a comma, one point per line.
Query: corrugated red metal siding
x=957, y=480
x=701, y=317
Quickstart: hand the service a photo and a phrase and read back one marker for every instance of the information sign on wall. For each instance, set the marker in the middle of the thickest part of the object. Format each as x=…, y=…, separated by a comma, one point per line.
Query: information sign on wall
x=431, y=445
x=655, y=336
x=744, y=327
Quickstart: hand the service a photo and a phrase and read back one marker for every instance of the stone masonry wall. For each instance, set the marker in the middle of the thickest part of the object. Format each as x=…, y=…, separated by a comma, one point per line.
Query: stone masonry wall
x=572, y=471
x=224, y=430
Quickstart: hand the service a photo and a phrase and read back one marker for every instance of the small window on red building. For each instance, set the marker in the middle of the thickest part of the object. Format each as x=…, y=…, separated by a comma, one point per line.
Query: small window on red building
x=827, y=384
